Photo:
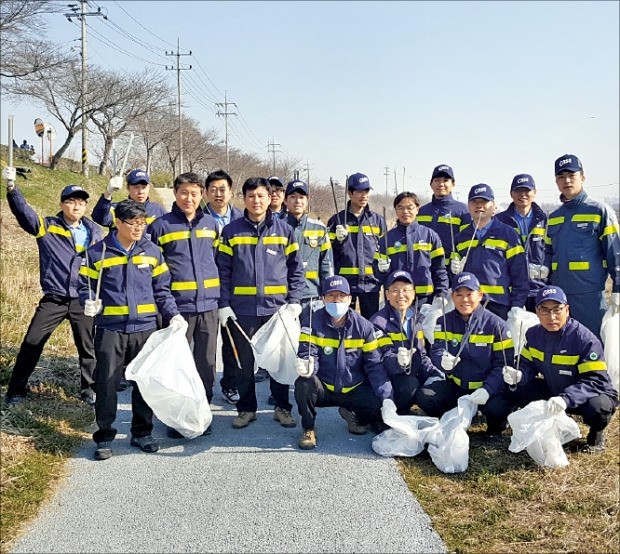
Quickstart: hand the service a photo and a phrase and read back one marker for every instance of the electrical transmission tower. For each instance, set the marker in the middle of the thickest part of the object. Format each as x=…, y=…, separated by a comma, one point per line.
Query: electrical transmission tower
x=178, y=69
x=271, y=148
x=225, y=114
x=387, y=174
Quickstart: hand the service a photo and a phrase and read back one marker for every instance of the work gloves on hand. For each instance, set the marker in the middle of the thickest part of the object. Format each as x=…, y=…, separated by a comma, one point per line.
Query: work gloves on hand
x=388, y=409
x=115, y=184
x=614, y=300
x=305, y=368
x=456, y=265
x=479, y=396
x=383, y=265
x=341, y=232
x=448, y=361
x=440, y=303
x=555, y=405
x=224, y=314
x=92, y=307
x=9, y=173
x=516, y=313
x=538, y=271
x=294, y=310
x=511, y=375
x=178, y=323
x=404, y=356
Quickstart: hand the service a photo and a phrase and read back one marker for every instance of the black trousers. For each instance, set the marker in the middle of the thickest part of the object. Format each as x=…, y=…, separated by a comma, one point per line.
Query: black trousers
x=311, y=393
x=114, y=351
x=230, y=369
x=405, y=388
x=202, y=330
x=49, y=314
x=596, y=412
x=245, y=384
x=368, y=301
x=439, y=397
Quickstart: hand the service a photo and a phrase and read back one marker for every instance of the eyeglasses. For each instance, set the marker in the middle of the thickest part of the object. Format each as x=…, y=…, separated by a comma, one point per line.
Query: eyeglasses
x=557, y=310
x=135, y=225
x=74, y=202
x=398, y=292
x=406, y=208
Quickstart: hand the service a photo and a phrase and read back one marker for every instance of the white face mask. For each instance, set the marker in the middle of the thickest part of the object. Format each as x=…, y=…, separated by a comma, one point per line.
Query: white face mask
x=337, y=309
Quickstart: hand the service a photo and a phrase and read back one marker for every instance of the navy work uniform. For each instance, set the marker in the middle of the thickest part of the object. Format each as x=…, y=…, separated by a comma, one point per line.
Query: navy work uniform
x=58, y=244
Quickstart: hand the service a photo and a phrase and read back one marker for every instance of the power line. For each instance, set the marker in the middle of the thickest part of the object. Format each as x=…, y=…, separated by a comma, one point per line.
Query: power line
x=178, y=68
x=147, y=30
x=271, y=148
x=225, y=114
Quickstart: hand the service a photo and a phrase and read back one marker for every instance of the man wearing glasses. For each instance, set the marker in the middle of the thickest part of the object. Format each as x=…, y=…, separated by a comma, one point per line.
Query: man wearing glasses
x=571, y=361
x=276, y=205
x=60, y=239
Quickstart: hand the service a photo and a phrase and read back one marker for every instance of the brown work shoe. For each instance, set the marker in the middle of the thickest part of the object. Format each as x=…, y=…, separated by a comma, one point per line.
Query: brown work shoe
x=355, y=427
x=243, y=419
x=308, y=440
x=284, y=417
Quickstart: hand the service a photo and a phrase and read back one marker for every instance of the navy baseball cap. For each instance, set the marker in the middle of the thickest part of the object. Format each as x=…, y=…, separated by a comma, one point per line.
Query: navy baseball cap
x=138, y=176
x=73, y=191
x=443, y=171
x=481, y=191
x=523, y=181
x=358, y=181
x=399, y=275
x=551, y=292
x=568, y=162
x=335, y=283
x=466, y=279
x=296, y=186
x=275, y=182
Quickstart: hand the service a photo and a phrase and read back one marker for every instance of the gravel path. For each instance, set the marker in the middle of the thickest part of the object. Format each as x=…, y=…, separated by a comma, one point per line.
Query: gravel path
x=247, y=490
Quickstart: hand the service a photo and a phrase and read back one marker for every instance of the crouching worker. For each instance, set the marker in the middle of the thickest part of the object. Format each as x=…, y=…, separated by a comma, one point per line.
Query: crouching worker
x=570, y=358
x=472, y=346
x=129, y=276
x=339, y=364
x=401, y=342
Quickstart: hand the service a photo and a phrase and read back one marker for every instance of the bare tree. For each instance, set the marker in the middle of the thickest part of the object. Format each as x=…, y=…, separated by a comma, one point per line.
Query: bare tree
x=156, y=128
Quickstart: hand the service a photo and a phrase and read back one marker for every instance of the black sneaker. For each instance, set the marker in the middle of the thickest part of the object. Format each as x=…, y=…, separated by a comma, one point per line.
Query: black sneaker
x=103, y=450
x=230, y=395
x=172, y=433
x=146, y=444
x=261, y=375
x=88, y=396
x=595, y=442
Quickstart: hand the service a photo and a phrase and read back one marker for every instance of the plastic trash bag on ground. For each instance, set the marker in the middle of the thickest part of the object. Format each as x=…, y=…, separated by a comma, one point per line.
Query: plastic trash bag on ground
x=541, y=434
x=518, y=326
x=407, y=436
x=450, y=448
x=275, y=346
x=169, y=383
x=610, y=331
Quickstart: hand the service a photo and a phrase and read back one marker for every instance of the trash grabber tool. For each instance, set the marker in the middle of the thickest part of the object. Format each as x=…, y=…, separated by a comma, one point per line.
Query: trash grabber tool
x=514, y=387
x=90, y=293
x=234, y=346
x=501, y=337
x=472, y=239
x=451, y=231
x=445, y=328
x=469, y=331
x=126, y=154
x=414, y=334
x=243, y=333
x=346, y=197
x=331, y=184
x=385, y=237
x=100, y=278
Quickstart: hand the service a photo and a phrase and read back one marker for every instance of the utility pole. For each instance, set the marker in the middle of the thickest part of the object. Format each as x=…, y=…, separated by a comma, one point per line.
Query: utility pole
x=226, y=113
x=271, y=148
x=387, y=174
x=307, y=170
x=178, y=69
x=81, y=16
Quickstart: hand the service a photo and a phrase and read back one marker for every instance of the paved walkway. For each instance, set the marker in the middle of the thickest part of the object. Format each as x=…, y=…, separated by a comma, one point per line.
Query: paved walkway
x=248, y=490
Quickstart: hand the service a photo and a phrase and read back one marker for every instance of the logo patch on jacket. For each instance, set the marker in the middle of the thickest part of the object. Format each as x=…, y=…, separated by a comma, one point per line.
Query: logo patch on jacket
x=593, y=356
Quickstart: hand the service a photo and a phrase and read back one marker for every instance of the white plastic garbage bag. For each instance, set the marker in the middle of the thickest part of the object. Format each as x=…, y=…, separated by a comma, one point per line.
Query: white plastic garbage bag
x=518, y=325
x=166, y=375
x=407, y=436
x=450, y=448
x=542, y=434
x=275, y=346
x=610, y=331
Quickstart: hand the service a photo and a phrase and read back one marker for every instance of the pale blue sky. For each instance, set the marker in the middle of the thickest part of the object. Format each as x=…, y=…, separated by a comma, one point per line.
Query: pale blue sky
x=491, y=88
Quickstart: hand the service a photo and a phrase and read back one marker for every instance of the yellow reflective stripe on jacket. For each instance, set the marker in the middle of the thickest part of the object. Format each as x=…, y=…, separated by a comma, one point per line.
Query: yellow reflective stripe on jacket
x=41, y=229
x=445, y=219
x=314, y=233
x=275, y=240
x=398, y=336
x=564, y=360
x=205, y=233
x=578, y=266
x=590, y=218
x=319, y=341
x=496, y=243
x=116, y=310
x=344, y=389
x=193, y=285
x=225, y=249
x=531, y=353
x=312, y=274
x=355, y=270
x=424, y=247
x=245, y=291
x=139, y=260
x=111, y=262
x=291, y=248
x=537, y=231
x=234, y=241
x=481, y=339
x=425, y=218
x=385, y=341
x=443, y=335
x=59, y=231
x=79, y=248
x=492, y=289
x=353, y=343
x=368, y=346
x=610, y=230
x=512, y=252
x=146, y=308
x=157, y=271
x=424, y=289
x=465, y=245
x=438, y=252
x=273, y=289
x=472, y=385
x=592, y=366
x=276, y=289
x=326, y=246
x=177, y=235
x=503, y=345
x=397, y=249
x=555, y=220
x=88, y=272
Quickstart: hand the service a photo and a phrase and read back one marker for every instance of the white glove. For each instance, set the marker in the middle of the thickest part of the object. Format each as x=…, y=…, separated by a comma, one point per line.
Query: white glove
x=92, y=307
x=614, y=300
x=115, y=184
x=388, y=409
x=341, y=232
x=511, y=375
x=404, y=357
x=294, y=309
x=440, y=303
x=456, y=265
x=225, y=314
x=479, y=396
x=538, y=271
x=9, y=173
x=178, y=323
x=555, y=405
x=516, y=313
x=305, y=368
x=448, y=361
x=384, y=264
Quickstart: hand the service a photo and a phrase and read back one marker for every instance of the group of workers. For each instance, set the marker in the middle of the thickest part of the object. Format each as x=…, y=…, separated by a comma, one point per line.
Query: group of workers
x=206, y=268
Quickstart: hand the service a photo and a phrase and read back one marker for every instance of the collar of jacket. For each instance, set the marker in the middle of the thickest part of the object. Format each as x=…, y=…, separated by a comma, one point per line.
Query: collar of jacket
x=347, y=323
x=537, y=211
x=366, y=211
x=294, y=222
x=442, y=201
x=269, y=217
x=180, y=213
x=574, y=202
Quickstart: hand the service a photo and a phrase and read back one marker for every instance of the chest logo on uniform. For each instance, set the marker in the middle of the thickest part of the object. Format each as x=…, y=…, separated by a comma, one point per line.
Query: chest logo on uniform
x=397, y=244
x=454, y=342
x=313, y=243
x=593, y=356
x=328, y=350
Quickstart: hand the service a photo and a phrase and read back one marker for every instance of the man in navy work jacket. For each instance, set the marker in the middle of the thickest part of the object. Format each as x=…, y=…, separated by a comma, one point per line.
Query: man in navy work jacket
x=59, y=239
x=570, y=358
x=401, y=342
x=472, y=346
x=529, y=221
x=355, y=233
x=134, y=286
x=187, y=237
x=583, y=246
x=260, y=271
x=339, y=364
